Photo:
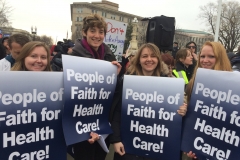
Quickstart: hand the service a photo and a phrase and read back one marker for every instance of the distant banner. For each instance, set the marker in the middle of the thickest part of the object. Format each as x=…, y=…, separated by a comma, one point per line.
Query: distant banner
x=211, y=127
x=89, y=87
x=31, y=116
x=115, y=37
x=150, y=125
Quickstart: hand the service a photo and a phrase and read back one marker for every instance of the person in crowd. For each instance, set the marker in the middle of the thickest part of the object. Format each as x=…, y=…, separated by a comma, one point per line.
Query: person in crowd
x=147, y=53
x=234, y=60
x=183, y=60
x=92, y=46
x=169, y=61
x=175, y=49
x=193, y=48
x=131, y=54
x=60, y=49
x=123, y=64
x=16, y=42
x=52, y=50
x=2, y=51
x=34, y=56
x=5, y=44
x=238, y=52
x=212, y=56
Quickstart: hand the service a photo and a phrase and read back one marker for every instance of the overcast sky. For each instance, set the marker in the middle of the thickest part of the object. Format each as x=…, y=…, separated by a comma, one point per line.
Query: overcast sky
x=52, y=17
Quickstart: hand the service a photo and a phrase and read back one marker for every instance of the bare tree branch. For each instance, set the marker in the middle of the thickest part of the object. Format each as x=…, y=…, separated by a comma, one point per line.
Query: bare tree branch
x=229, y=32
x=5, y=12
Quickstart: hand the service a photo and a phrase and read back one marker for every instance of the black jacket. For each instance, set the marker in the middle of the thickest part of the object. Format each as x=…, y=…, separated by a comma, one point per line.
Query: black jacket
x=84, y=150
x=189, y=71
x=235, y=62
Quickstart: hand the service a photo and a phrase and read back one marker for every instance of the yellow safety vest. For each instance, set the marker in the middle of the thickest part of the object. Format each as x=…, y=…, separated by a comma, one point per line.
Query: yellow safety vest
x=181, y=74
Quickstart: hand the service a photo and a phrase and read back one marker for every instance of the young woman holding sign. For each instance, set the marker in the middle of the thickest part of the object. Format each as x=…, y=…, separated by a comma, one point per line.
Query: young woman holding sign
x=34, y=56
x=147, y=62
x=91, y=46
x=212, y=56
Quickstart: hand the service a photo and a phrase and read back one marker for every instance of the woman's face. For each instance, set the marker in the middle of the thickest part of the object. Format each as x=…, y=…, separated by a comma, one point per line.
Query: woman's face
x=95, y=37
x=37, y=59
x=207, y=57
x=189, y=59
x=148, y=61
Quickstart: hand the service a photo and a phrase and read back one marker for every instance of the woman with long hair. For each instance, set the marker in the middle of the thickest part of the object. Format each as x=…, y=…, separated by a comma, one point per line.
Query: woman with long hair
x=184, y=59
x=212, y=56
x=147, y=62
x=34, y=56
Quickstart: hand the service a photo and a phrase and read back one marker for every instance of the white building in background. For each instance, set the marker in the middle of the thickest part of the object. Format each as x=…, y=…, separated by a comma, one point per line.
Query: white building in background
x=183, y=36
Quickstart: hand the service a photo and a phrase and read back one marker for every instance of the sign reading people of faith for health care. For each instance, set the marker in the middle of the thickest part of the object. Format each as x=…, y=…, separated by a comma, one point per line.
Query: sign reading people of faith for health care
x=31, y=116
x=150, y=125
x=89, y=85
x=212, y=124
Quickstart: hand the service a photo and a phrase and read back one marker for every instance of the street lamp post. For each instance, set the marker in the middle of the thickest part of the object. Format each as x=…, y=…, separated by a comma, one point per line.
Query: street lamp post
x=134, y=42
x=34, y=32
x=218, y=20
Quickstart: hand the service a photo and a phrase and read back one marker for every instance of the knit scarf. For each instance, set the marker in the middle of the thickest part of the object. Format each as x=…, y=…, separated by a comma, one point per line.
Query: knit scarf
x=97, y=55
x=10, y=59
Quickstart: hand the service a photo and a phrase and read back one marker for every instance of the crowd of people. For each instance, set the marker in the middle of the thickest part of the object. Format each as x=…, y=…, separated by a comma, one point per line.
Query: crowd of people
x=18, y=53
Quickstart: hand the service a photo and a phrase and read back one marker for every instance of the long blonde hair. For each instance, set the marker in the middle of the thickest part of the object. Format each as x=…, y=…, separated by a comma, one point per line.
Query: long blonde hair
x=222, y=63
x=136, y=69
x=25, y=52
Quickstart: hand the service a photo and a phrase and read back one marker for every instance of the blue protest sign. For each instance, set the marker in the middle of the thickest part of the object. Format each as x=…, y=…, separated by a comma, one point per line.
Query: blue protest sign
x=89, y=85
x=150, y=124
x=211, y=128
x=7, y=35
x=31, y=116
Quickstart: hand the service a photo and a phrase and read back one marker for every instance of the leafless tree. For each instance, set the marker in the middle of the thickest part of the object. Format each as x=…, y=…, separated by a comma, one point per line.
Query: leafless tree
x=47, y=40
x=229, y=32
x=5, y=12
x=142, y=32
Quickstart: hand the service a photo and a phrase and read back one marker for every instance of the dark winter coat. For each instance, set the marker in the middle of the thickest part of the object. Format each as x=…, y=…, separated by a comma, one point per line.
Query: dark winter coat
x=84, y=150
x=115, y=121
x=80, y=51
x=181, y=67
x=235, y=62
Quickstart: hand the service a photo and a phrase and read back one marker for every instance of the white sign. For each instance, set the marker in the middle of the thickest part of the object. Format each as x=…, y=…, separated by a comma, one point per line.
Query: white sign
x=115, y=37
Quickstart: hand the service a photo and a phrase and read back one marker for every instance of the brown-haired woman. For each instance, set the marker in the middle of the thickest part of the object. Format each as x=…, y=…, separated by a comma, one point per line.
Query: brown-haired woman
x=34, y=56
x=147, y=62
x=183, y=60
x=92, y=46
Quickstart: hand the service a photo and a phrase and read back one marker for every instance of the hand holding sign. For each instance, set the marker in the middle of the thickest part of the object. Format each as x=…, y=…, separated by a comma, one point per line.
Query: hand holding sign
x=119, y=148
x=119, y=67
x=191, y=155
x=94, y=137
x=182, y=109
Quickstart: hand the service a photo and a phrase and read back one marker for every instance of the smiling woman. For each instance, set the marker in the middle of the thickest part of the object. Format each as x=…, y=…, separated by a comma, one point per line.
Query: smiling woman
x=92, y=46
x=34, y=56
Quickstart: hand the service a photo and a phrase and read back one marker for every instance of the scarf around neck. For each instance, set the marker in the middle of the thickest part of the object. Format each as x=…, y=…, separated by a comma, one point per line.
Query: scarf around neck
x=99, y=54
x=10, y=59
